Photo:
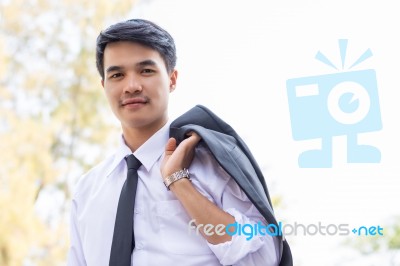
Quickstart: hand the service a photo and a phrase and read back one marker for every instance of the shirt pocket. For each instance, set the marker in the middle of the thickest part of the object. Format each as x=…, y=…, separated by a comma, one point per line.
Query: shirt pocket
x=176, y=234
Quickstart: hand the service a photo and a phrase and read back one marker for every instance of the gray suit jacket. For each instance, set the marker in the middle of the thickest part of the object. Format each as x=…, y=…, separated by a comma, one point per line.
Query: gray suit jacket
x=235, y=158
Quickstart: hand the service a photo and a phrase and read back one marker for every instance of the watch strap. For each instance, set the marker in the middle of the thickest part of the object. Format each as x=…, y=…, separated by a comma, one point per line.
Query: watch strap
x=184, y=173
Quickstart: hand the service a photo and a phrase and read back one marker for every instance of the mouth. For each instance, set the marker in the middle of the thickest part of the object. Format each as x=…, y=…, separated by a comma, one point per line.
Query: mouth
x=135, y=101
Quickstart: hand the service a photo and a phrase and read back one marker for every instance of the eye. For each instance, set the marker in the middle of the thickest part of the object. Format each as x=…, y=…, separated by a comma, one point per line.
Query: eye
x=116, y=75
x=148, y=71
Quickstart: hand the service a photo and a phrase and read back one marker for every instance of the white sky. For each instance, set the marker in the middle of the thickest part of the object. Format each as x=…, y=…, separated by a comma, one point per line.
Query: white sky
x=235, y=57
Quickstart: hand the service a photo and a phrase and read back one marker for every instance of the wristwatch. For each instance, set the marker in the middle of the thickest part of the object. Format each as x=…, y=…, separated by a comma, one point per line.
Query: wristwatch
x=184, y=173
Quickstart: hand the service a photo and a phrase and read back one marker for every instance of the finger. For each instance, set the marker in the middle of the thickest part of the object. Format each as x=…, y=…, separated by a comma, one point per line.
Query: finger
x=192, y=133
x=194, y=138
x=170, y=146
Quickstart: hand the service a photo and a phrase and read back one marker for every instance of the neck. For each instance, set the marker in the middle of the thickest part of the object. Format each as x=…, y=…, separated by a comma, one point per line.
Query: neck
x=135, y=136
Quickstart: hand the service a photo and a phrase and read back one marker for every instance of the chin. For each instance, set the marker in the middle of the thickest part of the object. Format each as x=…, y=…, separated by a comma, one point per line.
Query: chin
x=141, y=123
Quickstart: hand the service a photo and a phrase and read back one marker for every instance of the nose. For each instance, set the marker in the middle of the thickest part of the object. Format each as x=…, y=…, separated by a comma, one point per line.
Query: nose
x=133, y=85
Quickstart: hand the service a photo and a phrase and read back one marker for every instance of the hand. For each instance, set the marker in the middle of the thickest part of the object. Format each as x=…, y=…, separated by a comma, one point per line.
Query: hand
x=177, y=158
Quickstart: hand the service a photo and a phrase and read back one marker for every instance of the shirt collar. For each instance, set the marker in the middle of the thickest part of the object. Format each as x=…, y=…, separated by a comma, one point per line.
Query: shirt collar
x=148, y=153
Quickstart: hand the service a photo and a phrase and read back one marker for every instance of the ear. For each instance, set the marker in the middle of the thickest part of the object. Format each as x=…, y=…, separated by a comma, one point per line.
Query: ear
x=102, y=82
x=172, y=80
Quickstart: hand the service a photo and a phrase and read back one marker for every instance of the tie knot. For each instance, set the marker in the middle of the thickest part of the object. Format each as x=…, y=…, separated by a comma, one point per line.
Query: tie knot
x=132, y=162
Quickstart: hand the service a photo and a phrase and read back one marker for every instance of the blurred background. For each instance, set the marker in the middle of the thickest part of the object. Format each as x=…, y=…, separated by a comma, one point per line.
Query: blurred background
x=233, y=57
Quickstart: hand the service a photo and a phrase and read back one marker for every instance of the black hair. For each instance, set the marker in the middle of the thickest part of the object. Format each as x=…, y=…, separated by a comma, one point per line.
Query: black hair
x=139, y=31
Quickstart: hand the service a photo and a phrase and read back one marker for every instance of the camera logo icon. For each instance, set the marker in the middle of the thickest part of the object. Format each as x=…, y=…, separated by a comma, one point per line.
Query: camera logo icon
x=344, y=103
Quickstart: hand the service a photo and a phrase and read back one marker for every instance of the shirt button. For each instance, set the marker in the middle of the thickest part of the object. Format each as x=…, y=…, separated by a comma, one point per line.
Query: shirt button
x=139, y=245
x=137, y=210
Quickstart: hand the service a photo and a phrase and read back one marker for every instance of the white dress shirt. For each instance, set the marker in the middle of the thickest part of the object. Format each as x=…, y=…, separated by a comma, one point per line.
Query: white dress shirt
x=162, y=233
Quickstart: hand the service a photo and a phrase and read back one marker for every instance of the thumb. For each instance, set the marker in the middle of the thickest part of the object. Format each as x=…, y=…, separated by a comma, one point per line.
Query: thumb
x=170, y=146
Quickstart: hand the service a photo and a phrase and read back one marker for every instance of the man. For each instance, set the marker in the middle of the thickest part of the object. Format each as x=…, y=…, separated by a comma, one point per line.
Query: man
x=136, y=61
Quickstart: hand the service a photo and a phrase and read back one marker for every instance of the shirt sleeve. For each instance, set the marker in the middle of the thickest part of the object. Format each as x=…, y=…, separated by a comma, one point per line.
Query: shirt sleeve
x=247, y=247
x=75, y=254
x=218, y=186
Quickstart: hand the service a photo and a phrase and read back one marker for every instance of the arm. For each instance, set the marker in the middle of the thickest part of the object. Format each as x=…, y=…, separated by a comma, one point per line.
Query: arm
x=253, y=246
x=197, y=206
x=75, y=254
x=234, y=207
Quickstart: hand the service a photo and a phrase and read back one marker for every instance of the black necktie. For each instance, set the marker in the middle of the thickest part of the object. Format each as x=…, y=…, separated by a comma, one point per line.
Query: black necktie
x=124, y=238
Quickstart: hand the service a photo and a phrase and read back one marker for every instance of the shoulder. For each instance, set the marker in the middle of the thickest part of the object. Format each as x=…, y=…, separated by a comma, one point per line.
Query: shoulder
x=93, y=177
x=204, y=159
x=206, y=169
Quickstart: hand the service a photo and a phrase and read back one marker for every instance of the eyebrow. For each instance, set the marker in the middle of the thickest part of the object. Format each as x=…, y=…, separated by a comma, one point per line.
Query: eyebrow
x=147, y=62
x=144, y=63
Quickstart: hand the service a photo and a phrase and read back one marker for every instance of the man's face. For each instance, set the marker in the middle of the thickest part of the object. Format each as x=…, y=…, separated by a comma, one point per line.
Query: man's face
x=137, y=85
